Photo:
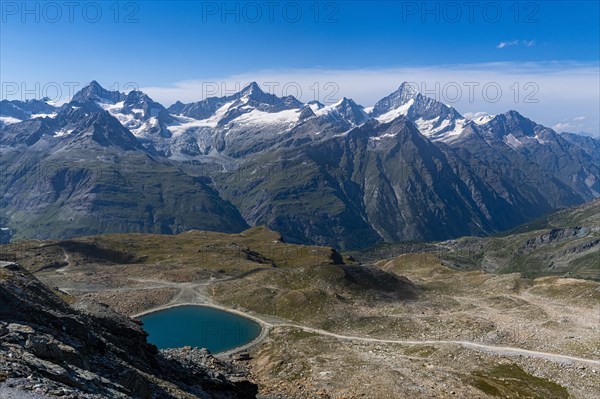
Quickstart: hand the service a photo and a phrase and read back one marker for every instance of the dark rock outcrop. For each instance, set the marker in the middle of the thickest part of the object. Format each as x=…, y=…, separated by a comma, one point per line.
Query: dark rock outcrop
x=51, y=348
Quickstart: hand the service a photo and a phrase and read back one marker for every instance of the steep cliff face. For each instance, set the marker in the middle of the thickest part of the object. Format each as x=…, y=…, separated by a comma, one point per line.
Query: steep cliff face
x=85, y=350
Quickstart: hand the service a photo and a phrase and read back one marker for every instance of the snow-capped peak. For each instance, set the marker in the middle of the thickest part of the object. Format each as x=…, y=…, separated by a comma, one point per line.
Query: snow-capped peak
x=251, y=88
x=479, y=118
x=408, y=90
x=433, y=118
x=345, y=110
x=395, y=112
x=315, y=105
x=94, y=92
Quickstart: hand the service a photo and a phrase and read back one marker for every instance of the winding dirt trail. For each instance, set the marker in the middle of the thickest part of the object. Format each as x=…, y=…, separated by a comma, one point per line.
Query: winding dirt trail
x=63, y=270
x=497, y=350
x=195, y=294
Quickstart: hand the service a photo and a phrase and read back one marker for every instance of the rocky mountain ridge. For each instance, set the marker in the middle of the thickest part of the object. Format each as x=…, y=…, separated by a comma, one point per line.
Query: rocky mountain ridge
x=410, y=169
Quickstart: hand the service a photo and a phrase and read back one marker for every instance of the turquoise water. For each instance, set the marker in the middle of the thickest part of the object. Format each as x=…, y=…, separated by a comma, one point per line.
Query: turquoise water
x=199, y=326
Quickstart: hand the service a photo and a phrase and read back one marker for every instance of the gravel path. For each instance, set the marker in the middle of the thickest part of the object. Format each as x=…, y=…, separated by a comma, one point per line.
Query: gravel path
x=194, y=294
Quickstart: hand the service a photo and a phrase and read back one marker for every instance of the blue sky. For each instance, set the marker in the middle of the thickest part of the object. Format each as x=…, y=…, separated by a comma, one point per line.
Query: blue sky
x=366, y=49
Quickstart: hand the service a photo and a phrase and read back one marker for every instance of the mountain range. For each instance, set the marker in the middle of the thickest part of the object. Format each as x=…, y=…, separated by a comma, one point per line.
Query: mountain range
x=409, y=168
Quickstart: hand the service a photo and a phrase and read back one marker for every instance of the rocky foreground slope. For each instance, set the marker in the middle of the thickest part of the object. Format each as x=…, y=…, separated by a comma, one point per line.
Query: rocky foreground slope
x=49, y=348
x=409, y=326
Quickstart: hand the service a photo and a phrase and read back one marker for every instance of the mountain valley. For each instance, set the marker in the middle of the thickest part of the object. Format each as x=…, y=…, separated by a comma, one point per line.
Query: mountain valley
x=419, y=322
x=411, y=168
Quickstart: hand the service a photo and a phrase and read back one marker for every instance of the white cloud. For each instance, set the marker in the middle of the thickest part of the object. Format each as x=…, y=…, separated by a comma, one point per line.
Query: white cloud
x=473, y=115
x=506, y=44
x=575, y=124
x=546, y=92
x=561, y=127
x=527, y=43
